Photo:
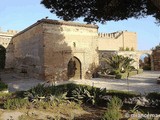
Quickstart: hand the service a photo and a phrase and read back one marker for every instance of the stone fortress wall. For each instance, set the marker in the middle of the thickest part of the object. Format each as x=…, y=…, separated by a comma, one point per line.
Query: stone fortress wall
x=111, y=43
x=45, y=49
x=27, y=51
x=5, y=37
x=106, y=41
x=117, y=40
x=156, y=59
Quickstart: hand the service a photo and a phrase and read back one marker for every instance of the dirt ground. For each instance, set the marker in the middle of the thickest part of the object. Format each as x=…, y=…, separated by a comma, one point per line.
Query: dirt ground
x=85, y=113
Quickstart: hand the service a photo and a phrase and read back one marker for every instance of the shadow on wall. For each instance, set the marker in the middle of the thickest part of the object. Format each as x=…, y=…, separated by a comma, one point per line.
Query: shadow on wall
x=57, y=52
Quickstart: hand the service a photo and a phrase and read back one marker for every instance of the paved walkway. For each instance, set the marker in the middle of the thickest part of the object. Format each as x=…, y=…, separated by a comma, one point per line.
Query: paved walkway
x=18, y=83
x=143, y=83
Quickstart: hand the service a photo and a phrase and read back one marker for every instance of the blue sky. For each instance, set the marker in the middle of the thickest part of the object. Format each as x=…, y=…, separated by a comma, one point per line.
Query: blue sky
x=19, y=14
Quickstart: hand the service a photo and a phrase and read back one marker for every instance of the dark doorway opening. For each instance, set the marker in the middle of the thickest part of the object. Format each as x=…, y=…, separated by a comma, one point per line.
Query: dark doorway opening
x=2, y=57
x=74, y=68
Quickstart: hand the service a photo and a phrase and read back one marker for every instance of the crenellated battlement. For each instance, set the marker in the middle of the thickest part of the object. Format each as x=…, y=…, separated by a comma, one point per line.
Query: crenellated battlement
x=6, y=36
x=113, y=35
x=12, y=31
x=117, y=40
x=8, y=32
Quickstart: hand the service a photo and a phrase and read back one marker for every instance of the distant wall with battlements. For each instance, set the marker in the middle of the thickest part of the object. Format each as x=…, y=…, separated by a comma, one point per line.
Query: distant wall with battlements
x=5, y=37
x=5, y=41
x=117, y=40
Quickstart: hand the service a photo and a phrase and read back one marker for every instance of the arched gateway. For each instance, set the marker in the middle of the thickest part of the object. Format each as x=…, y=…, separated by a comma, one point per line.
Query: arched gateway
x=149, y=59
x=74, y=69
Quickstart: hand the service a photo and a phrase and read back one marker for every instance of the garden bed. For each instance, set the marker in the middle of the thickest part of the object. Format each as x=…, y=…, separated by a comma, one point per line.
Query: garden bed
x=80, y=102
x=120, y=75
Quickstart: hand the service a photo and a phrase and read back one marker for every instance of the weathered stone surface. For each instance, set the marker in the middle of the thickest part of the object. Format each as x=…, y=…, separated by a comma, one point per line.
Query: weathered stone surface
x=156, y=59
x=44, y=49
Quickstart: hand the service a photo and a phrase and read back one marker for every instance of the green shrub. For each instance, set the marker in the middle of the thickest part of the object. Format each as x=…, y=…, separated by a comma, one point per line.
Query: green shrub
x=154, y=99
x=118, y=76
x=147, y=67
x=39, y=90
x=121, y=76
x=127, y=49
x=115, y=103
x=122, y=94
x=153, y=96
x=113, y=111
x=42, y=105
x=98, y=94
x=3, y=86
x=16, y=103
x=112, y=114
x=18, y=94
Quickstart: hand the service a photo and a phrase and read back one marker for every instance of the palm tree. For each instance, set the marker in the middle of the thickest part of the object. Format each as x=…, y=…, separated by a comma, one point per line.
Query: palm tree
x=118, y=64
x=127, y=66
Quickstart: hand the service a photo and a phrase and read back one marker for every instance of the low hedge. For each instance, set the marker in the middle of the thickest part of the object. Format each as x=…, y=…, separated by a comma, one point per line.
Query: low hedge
x=122, y=94
x=3, y=86
x=154, y=95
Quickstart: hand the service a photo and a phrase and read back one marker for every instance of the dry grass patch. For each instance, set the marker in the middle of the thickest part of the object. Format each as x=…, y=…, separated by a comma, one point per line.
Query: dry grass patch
x=66, y=111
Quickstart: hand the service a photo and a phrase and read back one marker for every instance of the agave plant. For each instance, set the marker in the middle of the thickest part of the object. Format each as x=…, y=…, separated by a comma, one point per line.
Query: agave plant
x=83, y=94
x=92, y=95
